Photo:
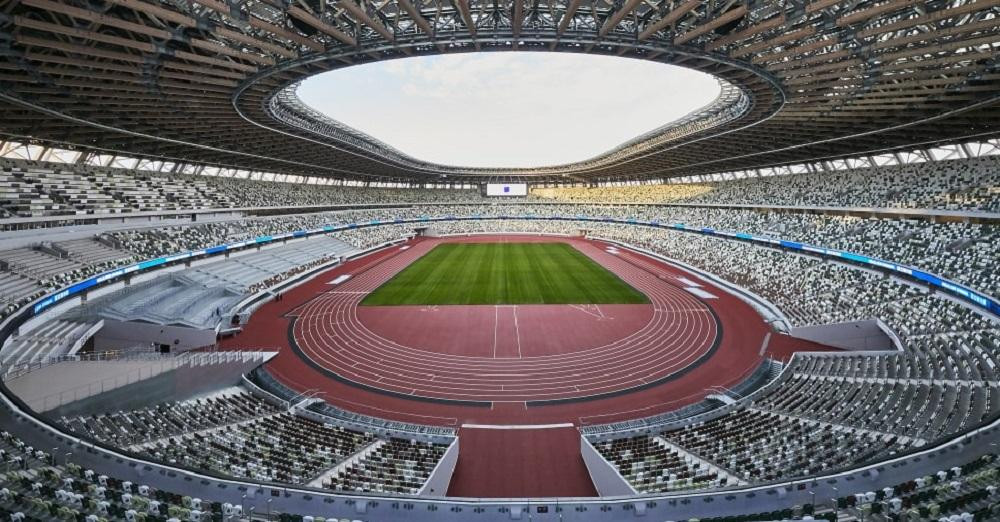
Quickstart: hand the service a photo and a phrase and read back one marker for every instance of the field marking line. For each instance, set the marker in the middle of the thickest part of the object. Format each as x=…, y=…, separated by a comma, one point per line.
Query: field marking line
x=586, y=310
x=517, y=333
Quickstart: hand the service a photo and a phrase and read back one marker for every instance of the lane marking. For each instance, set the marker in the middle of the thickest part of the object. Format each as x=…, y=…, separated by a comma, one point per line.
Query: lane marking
x=517, y=426
x=496, y=321
x=517, y=333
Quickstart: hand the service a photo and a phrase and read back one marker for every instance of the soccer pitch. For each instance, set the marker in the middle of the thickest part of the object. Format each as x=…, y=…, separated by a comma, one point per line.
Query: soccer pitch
x=504, y=273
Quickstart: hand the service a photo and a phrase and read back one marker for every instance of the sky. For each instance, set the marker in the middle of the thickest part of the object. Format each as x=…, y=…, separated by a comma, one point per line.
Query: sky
x=508, y=109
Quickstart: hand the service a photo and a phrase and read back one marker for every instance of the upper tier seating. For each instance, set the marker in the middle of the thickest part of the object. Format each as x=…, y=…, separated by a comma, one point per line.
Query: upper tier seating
x=44, y=189
x=33, y=188
x=965, y=184
x=51, y=339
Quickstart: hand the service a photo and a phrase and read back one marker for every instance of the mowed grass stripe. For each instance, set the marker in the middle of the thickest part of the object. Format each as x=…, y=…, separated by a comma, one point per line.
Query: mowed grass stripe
x=504, y=273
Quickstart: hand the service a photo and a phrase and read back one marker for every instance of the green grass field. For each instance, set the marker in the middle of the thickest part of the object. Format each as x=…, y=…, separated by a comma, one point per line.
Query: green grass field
x=504, y=273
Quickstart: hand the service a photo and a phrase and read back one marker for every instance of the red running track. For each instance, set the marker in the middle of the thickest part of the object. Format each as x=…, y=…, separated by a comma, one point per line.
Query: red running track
x=505, y=331
x=681, y=331
x=521, y=463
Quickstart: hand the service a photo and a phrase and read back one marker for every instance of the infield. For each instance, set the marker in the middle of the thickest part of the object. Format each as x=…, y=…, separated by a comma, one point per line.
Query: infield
x=504, y=273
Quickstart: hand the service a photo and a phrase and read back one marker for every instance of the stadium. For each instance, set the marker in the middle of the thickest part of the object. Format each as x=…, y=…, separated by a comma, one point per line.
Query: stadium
x=218, y=302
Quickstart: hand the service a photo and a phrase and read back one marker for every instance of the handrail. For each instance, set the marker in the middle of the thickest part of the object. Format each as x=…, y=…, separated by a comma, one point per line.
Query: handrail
x=13, y=371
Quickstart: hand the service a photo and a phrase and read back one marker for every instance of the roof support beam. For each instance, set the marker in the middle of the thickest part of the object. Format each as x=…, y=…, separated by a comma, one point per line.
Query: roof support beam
x=518, y=20
x=416, y=16
x=360, y=15
x=463, y=9
x=617, y=17
x=670, y=18
x=320, y=25
x=567, y=16
x=727, y=17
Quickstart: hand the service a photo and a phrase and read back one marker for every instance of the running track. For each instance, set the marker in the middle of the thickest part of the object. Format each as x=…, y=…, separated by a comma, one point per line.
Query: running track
x=520, y=463
x=682, y=331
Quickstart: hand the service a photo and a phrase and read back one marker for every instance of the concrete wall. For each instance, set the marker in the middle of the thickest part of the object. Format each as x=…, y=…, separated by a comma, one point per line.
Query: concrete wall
x=852, y=335
x=606, y=479
x=118, y=335
x=85, y=387
x=65, y=382
x=437, y=483
x=173, y=385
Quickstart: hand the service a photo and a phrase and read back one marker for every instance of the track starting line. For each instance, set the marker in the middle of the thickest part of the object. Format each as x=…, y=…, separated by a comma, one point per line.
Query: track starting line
x=517, y=426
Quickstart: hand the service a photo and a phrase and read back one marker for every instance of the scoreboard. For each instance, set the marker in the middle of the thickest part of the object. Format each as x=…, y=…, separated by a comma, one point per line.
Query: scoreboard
x=507, y=189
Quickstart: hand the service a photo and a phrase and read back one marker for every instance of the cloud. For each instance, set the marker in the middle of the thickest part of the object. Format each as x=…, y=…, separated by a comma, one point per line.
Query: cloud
x=510, y=109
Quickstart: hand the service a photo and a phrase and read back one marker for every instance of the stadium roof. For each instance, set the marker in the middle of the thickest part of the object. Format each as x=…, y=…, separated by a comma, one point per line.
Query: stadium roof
x=213, y=82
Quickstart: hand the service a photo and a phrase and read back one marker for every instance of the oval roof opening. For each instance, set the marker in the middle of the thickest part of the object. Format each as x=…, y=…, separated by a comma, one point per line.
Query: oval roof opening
x=510, y=109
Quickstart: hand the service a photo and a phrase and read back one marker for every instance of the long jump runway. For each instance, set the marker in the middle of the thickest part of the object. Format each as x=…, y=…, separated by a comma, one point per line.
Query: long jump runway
x=585, y=352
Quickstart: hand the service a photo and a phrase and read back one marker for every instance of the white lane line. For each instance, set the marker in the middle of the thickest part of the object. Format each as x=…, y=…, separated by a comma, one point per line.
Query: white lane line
x=496, y=321
x=518, y=426
x=517, y=332
x=763, y=346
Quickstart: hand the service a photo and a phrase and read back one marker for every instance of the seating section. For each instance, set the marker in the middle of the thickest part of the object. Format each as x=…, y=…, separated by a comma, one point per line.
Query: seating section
x=33, y=188
x=965, y=493
x=33, y=487
x=651, y=466
x=965, y=184
x=828, y=412
x=960, y=251
x=35, y=263
x=126, y=428
x=234, y=433
x=203, y=296
x=278, y=448
x=395, y=466
x=51, y=339
x=172, y=300
x=92, y=252
x=16, y=291
x=763, y=446
x=623, y=194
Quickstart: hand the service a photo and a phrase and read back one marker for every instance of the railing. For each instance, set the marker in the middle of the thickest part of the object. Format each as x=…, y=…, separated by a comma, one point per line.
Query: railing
x=158, y=363
x=752, y=378
x=13, y=371
x=262, y=379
